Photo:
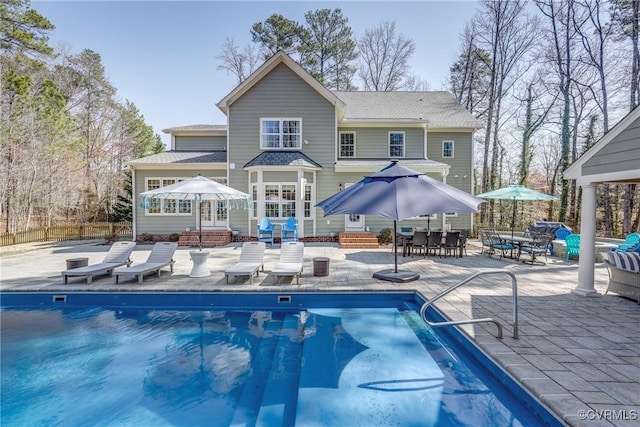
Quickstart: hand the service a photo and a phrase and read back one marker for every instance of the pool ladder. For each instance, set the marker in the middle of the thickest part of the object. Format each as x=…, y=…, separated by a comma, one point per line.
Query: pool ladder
x=514, y=289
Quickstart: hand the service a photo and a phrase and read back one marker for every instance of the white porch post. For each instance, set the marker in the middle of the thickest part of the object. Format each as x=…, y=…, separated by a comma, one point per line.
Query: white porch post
x=587, y=242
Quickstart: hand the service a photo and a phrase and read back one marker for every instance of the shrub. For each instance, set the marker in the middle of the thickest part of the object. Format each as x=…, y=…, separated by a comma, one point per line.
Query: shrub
x=174, y=237
x=385, y=236
x=146, y=237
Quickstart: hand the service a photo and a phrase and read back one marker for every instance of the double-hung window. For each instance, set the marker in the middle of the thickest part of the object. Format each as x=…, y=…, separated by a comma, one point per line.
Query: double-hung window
x=396, y=144
x=280, y=133
x=347, y=144
x=280, y=200
x=447, y=149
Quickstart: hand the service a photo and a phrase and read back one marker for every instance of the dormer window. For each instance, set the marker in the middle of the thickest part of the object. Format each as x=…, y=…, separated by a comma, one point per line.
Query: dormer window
x=285, y=134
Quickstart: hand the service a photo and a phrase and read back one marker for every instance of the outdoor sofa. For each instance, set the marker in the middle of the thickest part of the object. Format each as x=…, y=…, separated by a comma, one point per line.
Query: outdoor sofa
x=624, y=274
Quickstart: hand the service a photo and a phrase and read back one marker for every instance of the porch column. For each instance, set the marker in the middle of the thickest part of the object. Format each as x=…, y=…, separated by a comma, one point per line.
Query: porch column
x=587, y=242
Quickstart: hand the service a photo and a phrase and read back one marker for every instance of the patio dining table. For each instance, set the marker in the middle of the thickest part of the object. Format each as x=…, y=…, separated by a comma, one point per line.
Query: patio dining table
x=517, y=241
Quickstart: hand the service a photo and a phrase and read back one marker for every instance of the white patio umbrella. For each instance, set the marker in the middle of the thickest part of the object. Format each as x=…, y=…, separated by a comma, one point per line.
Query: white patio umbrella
x=198, y=188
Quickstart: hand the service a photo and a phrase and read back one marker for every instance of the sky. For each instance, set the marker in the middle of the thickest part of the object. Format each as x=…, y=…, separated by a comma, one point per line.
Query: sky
x=162, y=55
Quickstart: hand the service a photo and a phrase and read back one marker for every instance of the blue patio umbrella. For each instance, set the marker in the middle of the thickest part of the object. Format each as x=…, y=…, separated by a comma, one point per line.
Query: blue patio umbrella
x=397, y=192
x=515, y=192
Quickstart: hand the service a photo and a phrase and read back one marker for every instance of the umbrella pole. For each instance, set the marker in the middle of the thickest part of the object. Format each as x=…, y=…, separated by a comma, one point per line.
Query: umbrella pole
x=513, y=219
x=200, y=225
x=395, y=245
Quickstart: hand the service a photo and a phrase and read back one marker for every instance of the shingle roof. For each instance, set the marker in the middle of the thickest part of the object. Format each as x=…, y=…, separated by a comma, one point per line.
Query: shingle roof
x=183, y=157
x=196, y=128
x=282, y=158
x=438, y=109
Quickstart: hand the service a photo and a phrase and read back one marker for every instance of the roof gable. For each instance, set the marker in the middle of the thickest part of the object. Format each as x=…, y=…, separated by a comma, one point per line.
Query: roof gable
x=266, y=68
x=575, y=171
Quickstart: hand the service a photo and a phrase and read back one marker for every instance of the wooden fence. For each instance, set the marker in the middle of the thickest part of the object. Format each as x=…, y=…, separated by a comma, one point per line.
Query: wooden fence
x=104, y=230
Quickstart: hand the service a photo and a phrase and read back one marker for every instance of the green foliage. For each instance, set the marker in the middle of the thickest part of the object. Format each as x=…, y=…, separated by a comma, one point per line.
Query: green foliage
x=22, y=29
x=146, y=237
x=122, y=210
x=174, y=237
x=277, y=33
x=328, y=49
x=385, y=236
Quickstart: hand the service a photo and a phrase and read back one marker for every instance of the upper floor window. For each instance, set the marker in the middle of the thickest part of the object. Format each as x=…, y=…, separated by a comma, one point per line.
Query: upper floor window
x=347, y=144
x=396, y=144
x=447, y=149
x=280, y=133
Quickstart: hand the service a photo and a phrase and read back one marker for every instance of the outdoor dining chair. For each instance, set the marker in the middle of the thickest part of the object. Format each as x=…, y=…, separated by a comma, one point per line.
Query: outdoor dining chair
x=451, y=243
x=435, y=242
x=500, y=246
x=539, y=246
x=419, y=242
x=462, y=241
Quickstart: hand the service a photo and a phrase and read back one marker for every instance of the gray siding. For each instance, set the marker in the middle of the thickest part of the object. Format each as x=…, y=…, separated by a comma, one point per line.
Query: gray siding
x=163, y=224
x=200, y=143
x=621, y=154
x=373, y=143
x=281, y=93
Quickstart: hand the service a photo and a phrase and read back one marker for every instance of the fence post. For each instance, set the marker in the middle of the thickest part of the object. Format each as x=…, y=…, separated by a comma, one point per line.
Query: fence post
x=46, y=234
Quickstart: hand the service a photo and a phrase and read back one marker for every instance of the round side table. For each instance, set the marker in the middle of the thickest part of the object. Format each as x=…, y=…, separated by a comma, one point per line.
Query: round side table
x=199, y=259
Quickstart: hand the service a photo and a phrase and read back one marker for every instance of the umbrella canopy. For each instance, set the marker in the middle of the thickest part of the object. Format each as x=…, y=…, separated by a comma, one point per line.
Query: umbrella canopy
x=398, y=193
x=515, y=192
x=198, y=188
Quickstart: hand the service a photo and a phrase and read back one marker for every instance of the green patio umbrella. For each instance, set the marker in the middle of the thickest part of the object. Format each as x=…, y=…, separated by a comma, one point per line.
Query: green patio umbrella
x=515, y=192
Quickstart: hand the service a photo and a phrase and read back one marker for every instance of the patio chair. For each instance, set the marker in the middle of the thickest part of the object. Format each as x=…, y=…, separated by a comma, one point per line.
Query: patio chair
x=265, y=230
x=483, y=233
x=161, y=256
x=462, y=241
x=562, y=233
x=291, y=259
x=451, y=243
x=631, y=243
x=572, y=242
x=419, y=242
x=434, y=242
x=251, y=261
x=539, y=246
x=117, y=256
x=289, y=230
x=498, y=245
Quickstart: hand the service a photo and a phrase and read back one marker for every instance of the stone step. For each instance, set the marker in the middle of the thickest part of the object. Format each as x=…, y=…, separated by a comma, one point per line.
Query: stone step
x=359, y=245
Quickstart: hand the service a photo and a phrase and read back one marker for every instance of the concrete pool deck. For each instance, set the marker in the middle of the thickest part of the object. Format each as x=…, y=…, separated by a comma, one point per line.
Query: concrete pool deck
x=578, y=355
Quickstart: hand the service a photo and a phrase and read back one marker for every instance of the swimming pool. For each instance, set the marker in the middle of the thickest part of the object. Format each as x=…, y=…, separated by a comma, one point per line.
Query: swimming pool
x=220, y=359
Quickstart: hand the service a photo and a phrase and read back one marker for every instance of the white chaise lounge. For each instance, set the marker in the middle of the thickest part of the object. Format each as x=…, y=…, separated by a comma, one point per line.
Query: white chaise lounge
x=117, y=256
x=291, y=259
x=251, y=261
x=161, y=256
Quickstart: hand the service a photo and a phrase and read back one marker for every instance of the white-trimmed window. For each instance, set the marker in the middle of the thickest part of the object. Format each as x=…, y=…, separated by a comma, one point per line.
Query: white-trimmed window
x=447, y=149
x=280, y=200
x=254, y=201
x=427, y=217
x=280, y=133
x=166, y=207
x=451, y=214
x=396, y=144
x=347, y=144
x=308, y=202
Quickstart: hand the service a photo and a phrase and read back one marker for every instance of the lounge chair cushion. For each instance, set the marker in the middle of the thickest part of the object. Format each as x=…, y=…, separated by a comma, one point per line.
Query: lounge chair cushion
x=625, y=260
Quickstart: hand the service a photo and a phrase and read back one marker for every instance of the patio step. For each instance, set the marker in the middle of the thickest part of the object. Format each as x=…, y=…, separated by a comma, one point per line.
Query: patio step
x=358, y=240
x=210, y=239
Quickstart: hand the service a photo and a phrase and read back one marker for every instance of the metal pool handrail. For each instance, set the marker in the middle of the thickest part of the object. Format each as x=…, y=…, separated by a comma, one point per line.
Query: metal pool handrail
x=514, y=291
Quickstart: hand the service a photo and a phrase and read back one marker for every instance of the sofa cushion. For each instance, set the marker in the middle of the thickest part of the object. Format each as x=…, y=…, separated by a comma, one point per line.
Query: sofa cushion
x=625, y=260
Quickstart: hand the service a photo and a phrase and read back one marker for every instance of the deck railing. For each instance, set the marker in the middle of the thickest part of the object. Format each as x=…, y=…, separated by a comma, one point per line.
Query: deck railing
x=101, y=230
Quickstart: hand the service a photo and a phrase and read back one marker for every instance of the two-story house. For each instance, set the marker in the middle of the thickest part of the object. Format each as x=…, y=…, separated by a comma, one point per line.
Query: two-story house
x=290, y=143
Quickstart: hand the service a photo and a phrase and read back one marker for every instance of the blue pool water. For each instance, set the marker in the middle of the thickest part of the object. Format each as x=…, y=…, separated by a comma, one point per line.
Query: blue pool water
x=245, y=360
